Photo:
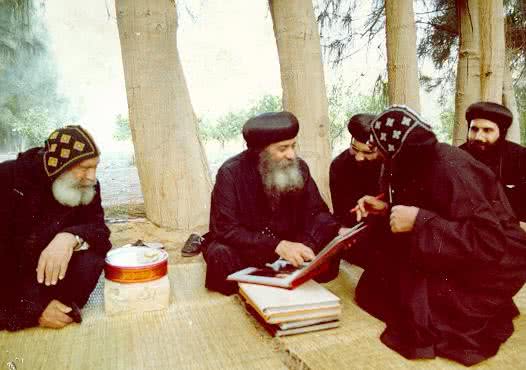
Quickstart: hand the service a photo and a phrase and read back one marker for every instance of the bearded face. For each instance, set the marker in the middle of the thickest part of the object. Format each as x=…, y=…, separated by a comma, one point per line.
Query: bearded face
x=71, y=191
x=483, y=135
x=279, y=175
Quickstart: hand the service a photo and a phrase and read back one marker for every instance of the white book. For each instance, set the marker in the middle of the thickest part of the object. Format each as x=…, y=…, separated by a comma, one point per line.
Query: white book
x=306, y=329
x=271, y=301
x=302, y=323
x=306, y=315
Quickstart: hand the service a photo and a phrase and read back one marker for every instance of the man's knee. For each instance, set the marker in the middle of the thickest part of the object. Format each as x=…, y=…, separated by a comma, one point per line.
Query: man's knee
x=221, y=260
x=82, y=275
x=218, y=253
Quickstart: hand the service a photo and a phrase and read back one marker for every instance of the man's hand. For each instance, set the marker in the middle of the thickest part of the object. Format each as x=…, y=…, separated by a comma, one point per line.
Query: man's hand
x=295, y=253
x=523, y=225
x=370, y=205
x=55, y=315
x=54, y=259
x=403, y=218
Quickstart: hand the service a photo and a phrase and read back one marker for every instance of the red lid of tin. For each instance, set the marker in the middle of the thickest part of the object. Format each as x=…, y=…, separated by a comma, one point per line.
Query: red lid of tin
x=135, y=264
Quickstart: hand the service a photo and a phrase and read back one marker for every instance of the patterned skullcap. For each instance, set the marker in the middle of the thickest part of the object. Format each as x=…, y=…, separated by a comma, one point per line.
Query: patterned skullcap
x=66, y=147
x=268, y=128
x=391, y=128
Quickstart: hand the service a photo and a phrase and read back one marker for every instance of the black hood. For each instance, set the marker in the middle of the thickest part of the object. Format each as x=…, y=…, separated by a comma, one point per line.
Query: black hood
x=400, y=133
x=406, y=142
x=32, y=162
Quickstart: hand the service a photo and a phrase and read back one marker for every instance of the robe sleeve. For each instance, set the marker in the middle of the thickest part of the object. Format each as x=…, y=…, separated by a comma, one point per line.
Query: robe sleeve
x=6, y=193
x=521, y=189
x=90, y=226
x=337, y=192
x=7, y=198
x=226, y=223
x=467, y=231
x=320, y=226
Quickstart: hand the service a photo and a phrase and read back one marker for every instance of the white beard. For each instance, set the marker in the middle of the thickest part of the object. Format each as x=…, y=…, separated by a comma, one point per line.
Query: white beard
x=68, y=192
x=280, y=177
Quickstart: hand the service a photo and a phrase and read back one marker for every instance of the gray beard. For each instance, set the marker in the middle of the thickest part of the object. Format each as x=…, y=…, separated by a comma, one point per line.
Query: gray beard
x=68, y=192
x=280, y=177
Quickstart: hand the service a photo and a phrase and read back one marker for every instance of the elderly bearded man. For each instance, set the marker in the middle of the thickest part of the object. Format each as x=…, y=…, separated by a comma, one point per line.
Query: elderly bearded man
x=488, y=125
x=448, y=255
x=265, y=205
x=52, y=233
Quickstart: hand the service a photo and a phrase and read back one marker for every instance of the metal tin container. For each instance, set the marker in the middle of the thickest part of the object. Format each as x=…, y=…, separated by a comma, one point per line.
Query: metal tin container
x=135, y=264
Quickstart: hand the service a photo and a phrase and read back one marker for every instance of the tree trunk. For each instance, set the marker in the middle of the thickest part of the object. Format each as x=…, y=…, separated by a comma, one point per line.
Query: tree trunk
x=402, y=71
x=172, y=165
x=468, y=67
x=508, y=100
x=492, y=46
x=303, y=83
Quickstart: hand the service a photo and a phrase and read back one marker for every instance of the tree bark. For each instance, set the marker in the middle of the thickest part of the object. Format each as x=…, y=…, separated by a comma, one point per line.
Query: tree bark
x=402, y=71
x=492, y=46
x=468, y=67
x=303, y=83
x=508, y=100
x=172, y=165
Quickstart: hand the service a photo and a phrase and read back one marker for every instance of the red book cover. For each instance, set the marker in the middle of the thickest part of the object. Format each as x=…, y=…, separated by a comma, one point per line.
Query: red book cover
x=284, y=275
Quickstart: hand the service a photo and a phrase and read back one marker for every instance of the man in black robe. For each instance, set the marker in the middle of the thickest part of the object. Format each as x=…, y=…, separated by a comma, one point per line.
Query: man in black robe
x=447, y=254
x=354, y=172
x=265, y=205
x=53, y=239
x=488, y=125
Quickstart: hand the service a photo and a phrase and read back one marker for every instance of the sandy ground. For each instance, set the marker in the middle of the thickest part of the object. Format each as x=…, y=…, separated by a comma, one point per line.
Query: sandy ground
x=139, y=228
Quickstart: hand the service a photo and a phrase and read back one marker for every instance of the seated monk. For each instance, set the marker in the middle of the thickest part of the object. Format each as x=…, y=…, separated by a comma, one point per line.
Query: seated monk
x=53, y=239
x=265, y=205
x=447, y=255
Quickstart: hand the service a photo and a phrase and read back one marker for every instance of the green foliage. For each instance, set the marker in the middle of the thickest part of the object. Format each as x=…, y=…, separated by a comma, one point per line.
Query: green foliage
x=520, y=95
x=30, y=106
x=447, y=120
x=343, y=104
x=228, y=126
x=122, y=130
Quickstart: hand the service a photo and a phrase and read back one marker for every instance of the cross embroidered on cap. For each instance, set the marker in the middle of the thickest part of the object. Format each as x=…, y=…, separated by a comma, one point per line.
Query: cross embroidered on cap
x=66, y=147
x=391, y=127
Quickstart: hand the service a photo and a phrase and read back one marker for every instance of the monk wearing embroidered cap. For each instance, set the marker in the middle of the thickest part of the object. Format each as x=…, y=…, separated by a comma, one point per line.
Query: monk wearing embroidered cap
x=488, y=125
x=447, y=254
x=52, y=233
x=265, y=205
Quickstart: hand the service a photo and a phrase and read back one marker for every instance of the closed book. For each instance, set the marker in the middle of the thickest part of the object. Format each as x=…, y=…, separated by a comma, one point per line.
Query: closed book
x=302, y=323
x=275, y=305
x=283, y=274
x=273, y=300
x=276, y=331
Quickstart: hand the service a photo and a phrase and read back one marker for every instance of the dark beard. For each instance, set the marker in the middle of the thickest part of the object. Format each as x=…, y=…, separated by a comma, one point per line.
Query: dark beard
x=483, y=152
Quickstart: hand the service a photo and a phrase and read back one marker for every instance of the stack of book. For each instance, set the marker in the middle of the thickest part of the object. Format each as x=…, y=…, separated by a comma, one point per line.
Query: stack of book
x=309, y=307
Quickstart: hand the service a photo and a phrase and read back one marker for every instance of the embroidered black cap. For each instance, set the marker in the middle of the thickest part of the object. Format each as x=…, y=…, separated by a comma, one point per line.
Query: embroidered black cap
x=66, y=147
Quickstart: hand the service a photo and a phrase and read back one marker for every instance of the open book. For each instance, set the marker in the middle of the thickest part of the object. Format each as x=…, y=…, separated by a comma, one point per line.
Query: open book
x=284, y=275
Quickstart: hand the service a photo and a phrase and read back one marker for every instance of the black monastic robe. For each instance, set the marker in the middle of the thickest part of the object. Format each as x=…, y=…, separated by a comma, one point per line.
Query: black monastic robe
x=349, y=181
x=446, y=287
x=242, y=218
x=508, y=162
x=30, y=218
